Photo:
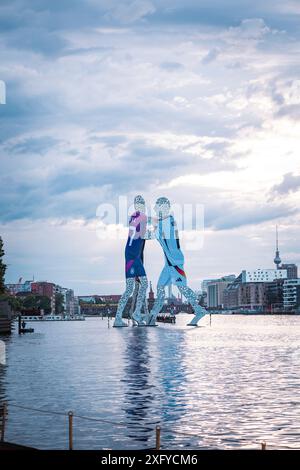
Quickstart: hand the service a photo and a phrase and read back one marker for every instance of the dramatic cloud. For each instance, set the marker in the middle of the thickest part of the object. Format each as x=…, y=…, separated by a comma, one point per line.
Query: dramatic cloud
x=107, y=98
x=290, y=183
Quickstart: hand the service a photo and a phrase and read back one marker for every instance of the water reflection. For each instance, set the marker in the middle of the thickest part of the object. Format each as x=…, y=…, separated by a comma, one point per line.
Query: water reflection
x=172, y=374
x=138, y=392
x=155, y=381
x=231, y=384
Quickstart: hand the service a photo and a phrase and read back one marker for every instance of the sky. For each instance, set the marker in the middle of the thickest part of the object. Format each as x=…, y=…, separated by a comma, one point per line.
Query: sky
x=196, y=100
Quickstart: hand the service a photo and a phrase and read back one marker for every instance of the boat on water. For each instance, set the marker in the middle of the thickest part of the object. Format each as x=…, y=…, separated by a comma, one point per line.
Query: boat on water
x=41, y=318
x=166, y=318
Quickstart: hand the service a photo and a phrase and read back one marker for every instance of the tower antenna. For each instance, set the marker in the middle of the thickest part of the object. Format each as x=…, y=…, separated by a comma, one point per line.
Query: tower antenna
x=277, y=259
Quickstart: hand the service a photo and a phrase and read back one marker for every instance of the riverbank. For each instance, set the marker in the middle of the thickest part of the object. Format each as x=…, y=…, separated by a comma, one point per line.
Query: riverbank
x=5, y=317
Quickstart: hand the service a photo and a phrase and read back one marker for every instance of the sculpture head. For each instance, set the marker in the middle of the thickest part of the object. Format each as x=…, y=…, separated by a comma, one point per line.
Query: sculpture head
x=162, y=207
x=139, y=203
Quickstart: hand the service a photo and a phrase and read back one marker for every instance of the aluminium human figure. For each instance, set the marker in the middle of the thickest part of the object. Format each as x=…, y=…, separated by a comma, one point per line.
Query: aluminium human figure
x=165, y=230
x=134, y=297
x=134, y=267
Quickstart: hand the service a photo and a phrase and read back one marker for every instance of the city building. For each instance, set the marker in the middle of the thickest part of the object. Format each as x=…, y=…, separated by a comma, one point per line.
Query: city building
x=87, y=298
x=252, y=296
x=245, y=295
x=103, y=305
x=70, y=304
x=274, y=295
x=98, y=299
x=291, y=293
x=76, y=306
x=18, y=287
x=151, y=298
x=215, y=294
x=206, y=282
x=47, y=289
x=216, y=289
x=212, y=294
x=151, y=293
x=263, y=275
x=112, y=298
x=230, y=295
x=291, y=269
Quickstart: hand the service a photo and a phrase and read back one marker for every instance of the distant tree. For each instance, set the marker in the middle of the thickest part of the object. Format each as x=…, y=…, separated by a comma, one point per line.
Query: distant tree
x=36, y=302
x=59, y=303
x=44, y=303
x=2, y=268
x=14, y=302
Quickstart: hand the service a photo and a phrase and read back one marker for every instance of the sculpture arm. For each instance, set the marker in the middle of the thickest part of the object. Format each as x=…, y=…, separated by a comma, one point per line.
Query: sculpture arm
x=150, y=233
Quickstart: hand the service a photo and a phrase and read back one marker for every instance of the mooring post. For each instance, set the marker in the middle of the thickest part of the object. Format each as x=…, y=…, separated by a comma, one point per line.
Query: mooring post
x=19, y=324
x=3, y=421
x=263, y=445
x=157, y=443
x=70, y=414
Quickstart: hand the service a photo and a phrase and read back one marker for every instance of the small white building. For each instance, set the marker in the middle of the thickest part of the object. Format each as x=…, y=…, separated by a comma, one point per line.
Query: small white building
x=263, y=275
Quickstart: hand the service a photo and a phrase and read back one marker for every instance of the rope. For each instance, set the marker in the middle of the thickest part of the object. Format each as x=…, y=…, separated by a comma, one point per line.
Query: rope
x=102, y=421
x=37, y=410
x=163, y=428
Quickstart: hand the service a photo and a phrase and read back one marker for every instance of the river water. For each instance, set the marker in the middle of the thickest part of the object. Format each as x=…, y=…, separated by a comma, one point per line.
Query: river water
x=228, y=384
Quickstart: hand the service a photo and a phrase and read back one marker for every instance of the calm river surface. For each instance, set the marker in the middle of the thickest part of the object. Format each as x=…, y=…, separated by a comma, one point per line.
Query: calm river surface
x=230, y=384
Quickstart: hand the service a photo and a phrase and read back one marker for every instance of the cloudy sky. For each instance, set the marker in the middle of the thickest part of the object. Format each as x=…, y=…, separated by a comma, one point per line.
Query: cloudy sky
x=198, y=100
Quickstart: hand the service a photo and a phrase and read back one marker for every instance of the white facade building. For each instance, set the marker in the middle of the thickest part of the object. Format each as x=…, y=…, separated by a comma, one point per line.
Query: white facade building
x=70, y=304
x=291, y=294
x=263, y=275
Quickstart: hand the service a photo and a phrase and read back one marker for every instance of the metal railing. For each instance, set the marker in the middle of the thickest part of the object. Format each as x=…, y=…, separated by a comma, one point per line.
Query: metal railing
x=158, y=430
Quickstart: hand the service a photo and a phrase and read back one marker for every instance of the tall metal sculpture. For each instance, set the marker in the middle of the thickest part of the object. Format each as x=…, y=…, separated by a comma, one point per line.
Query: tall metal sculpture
x=166, y=232
x=134, y=267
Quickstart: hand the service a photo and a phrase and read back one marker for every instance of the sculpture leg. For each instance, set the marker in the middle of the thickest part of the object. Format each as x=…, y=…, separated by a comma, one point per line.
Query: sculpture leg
x=143, y=284
x=146, y=309
x=191, y=297
x=158, y=304
x=134, y=296
x=123, y=301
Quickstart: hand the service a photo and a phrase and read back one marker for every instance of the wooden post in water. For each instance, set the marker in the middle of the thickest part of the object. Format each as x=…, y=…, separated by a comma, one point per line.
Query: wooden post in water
x=19, y=324
x=263, y=445
x=3, y=421
x=157, y=440
x=70, y=415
